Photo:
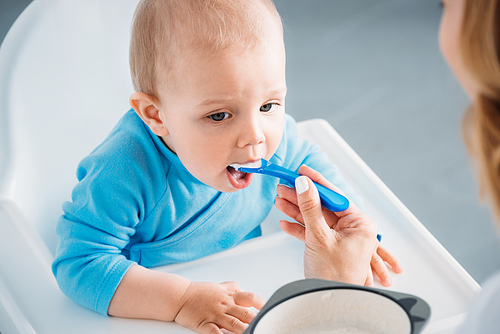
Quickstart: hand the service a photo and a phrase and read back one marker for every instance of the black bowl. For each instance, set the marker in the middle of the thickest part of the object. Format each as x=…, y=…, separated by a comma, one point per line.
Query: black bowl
x=319, y=306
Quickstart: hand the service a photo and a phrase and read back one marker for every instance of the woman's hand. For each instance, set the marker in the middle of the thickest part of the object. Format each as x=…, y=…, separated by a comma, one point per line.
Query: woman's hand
x=378, y=264
x=340, y=246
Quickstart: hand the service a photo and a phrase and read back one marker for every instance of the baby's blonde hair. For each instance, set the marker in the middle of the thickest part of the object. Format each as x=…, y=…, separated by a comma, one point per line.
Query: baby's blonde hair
x=480, y=50
x=163, y=29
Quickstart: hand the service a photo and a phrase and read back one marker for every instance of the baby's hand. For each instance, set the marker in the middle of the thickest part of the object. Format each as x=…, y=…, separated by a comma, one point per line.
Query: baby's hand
x=378, y=265
x=208, y=307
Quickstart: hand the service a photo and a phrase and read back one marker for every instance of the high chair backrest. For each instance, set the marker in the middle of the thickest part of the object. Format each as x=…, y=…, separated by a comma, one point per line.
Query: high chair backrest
x=64, y=83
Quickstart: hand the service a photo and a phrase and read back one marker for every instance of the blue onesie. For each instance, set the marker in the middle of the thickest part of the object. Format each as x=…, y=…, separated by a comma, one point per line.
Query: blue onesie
x=136, y=203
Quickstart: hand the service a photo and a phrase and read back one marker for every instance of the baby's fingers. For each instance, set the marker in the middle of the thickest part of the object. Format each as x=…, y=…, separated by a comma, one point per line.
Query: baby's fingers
x=232, y=324
x=209, y=328
x=231, y=286
x=238, y=316
x=390, y=258
x=380, y=269
x=248, y=299
x=245, y=315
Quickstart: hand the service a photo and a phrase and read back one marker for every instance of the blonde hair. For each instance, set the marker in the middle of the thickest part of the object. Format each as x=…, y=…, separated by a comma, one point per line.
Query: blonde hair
x=162, y=29
x=480, y=50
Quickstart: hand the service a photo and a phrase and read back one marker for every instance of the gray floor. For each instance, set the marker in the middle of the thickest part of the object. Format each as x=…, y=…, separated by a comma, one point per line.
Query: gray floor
x=374, y=71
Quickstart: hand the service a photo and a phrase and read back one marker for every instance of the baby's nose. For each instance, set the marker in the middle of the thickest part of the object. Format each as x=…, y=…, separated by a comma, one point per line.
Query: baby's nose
x=251, y=134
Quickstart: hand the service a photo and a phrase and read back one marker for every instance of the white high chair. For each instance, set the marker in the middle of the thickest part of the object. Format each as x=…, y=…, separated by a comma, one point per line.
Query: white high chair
x=64, y=83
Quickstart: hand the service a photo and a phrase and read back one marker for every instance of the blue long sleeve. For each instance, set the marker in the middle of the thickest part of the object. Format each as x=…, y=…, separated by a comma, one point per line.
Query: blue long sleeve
x=136, y=203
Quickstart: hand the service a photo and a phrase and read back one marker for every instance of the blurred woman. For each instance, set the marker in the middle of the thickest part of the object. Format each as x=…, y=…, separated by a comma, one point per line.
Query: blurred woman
x=469, y=39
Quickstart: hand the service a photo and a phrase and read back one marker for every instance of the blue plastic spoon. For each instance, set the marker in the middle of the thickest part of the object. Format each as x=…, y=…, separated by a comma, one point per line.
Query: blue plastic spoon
x=329, y=199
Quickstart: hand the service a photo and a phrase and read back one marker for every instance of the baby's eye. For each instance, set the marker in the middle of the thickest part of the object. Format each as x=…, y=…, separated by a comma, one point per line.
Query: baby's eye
x=220, y=116
x=267, y=107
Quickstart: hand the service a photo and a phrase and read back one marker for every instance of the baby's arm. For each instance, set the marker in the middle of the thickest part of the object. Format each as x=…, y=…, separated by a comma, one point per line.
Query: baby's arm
x=114, y=196
x=199, y=306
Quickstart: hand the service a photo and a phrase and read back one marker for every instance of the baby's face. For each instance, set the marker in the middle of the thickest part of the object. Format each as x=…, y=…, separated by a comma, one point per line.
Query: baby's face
x=226, y=108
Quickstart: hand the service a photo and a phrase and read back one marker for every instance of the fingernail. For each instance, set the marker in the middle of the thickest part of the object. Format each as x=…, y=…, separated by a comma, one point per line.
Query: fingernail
x=301, y=184
x=388, y=281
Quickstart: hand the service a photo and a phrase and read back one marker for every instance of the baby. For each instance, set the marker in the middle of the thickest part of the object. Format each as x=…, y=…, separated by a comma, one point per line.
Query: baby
x=210, y=89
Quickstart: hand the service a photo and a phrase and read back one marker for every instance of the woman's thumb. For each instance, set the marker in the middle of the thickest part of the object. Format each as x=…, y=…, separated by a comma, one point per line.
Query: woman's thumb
x=309, y=204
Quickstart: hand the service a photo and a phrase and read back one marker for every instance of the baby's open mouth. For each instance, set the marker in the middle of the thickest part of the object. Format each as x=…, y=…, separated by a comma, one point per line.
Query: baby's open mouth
x=237, y=175
x=238, y=180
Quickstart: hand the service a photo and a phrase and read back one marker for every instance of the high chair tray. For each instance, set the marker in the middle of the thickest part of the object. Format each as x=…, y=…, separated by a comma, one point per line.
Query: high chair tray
x=31, y=302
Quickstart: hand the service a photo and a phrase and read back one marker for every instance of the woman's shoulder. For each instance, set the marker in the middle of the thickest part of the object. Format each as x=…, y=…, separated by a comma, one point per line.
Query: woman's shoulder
x=484, y=312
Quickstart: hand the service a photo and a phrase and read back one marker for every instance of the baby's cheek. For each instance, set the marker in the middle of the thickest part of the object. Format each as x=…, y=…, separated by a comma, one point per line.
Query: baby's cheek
x=276, y=138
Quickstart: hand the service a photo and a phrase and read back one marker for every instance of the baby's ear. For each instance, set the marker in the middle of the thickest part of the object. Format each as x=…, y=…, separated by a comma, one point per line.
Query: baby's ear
x=148, y=108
